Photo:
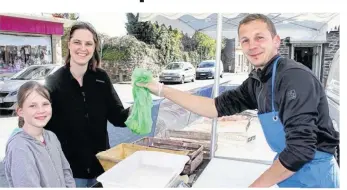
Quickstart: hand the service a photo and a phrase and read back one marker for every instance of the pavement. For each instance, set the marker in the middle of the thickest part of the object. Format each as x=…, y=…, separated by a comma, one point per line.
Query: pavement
x=11, y=124
x=124, y=90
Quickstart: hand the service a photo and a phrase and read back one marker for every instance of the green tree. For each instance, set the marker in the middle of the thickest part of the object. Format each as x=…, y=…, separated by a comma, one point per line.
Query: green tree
x=172, y=44
x=65, y=37
x=188, y=43
x=205, y=45
x=64, y=42
x=71, y=16
x=132, y=25
x=165, y=39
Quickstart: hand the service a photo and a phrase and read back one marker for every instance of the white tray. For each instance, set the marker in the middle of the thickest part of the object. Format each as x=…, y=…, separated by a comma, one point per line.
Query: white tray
x=144, y=169
x=224, y=173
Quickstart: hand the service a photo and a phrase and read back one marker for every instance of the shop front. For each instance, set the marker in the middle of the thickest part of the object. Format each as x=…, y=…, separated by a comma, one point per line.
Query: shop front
x=26, y=41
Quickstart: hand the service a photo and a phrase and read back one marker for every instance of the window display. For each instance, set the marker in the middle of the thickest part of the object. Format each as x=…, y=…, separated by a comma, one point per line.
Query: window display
x=18, y=52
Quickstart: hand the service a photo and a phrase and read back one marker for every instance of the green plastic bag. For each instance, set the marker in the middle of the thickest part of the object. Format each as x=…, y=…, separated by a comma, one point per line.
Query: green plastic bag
x=140, y=119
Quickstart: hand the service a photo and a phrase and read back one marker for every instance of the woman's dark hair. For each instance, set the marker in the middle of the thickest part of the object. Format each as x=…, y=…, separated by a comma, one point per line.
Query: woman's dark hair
x=94, y=62
x=25, y=90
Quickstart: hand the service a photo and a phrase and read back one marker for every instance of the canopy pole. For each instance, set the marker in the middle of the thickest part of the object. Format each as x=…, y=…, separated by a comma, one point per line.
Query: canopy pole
x=216, y=81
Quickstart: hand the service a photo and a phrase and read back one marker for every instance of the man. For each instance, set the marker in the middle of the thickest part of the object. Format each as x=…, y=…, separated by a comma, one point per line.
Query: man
x=292, y=108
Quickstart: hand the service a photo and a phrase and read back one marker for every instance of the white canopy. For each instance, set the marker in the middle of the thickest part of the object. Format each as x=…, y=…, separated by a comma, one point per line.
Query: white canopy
x=299, y=26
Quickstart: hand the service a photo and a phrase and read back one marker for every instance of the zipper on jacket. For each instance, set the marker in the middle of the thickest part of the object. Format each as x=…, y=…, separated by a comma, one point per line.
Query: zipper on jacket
x=84, y=100
x=86, y=115
x=84, y=97
x=261, y=90
x=49, y=155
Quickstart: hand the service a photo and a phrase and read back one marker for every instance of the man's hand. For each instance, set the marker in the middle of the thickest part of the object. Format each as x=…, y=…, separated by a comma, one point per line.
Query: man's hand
x=275, y=174
x=197, y=104
x=154, y=86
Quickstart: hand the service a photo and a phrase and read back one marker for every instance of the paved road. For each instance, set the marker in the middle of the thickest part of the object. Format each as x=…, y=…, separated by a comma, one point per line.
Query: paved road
x=3, y=181
x=125, y=93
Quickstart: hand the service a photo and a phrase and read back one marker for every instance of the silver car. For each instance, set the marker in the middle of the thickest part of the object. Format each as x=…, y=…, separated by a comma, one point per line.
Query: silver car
x=206, y=69
x=9, y=87
x=178, y=72
x=332, y=90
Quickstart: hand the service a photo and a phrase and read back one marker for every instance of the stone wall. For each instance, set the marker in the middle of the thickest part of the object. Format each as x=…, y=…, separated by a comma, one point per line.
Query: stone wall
x=136, y=54
x=120, y=72
x=332, y=45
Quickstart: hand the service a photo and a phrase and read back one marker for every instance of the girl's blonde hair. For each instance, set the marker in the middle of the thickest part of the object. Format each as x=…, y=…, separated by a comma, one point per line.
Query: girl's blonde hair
x=25, y=90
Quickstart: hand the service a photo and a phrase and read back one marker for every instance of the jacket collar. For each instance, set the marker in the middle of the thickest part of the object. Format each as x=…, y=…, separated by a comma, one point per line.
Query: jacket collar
x=23, y=134
x=68, y=74
x=264, y=74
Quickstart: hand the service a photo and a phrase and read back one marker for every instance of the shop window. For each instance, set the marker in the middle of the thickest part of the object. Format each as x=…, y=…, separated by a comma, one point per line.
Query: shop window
x=18, y=52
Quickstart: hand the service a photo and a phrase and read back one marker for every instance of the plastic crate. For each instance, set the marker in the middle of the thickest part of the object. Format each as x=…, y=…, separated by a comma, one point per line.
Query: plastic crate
x=113, y=156
x=144, y=169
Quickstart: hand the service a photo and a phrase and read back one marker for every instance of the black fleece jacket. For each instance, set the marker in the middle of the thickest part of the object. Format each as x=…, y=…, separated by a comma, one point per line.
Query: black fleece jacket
x=302, y=105
x=80, y=116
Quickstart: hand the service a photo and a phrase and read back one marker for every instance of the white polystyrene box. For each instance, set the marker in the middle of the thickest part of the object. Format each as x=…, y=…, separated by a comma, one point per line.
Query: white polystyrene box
x=144, y=169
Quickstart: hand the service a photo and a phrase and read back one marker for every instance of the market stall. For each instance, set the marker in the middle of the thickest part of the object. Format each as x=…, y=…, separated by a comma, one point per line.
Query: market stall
x=192, y=138
x=223, y=163
x=307, y=27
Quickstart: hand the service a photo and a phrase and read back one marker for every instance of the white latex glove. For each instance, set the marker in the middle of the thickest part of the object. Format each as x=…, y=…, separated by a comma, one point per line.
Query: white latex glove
x=155, y=87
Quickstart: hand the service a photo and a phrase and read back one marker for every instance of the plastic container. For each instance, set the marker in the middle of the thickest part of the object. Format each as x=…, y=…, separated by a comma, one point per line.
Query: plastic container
x=114, y=155
x=144, y=169
x=195, y=150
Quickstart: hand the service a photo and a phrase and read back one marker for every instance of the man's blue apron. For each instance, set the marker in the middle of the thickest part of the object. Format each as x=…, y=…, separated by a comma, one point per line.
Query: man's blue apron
x=322, y=171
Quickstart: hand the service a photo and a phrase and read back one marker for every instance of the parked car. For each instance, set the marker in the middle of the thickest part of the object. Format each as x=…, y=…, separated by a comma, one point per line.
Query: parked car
x=178, y=72
x=332, y=90
x=206, y=69
x=5, y=76
x=10, y=86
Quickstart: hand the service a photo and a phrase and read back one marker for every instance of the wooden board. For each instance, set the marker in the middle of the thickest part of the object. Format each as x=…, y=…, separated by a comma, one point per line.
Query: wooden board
x=170, y=145
x=191, y=166
x=205, y=143
x=223, y=125
x=196, y=135
x=196, y=153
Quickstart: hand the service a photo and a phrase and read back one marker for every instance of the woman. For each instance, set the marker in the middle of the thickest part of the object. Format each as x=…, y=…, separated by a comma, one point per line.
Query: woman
x=83, y=100
x=34, y=157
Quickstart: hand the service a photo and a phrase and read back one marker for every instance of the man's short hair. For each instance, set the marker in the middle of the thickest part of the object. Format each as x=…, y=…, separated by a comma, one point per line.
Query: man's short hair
x=253, y=17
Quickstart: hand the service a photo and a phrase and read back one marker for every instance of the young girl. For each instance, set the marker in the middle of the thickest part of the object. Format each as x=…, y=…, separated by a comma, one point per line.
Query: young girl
x=34, y=157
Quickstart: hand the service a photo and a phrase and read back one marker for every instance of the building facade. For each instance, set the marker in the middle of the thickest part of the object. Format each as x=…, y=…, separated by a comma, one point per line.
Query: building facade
x=26, y=40
x=316, y=55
